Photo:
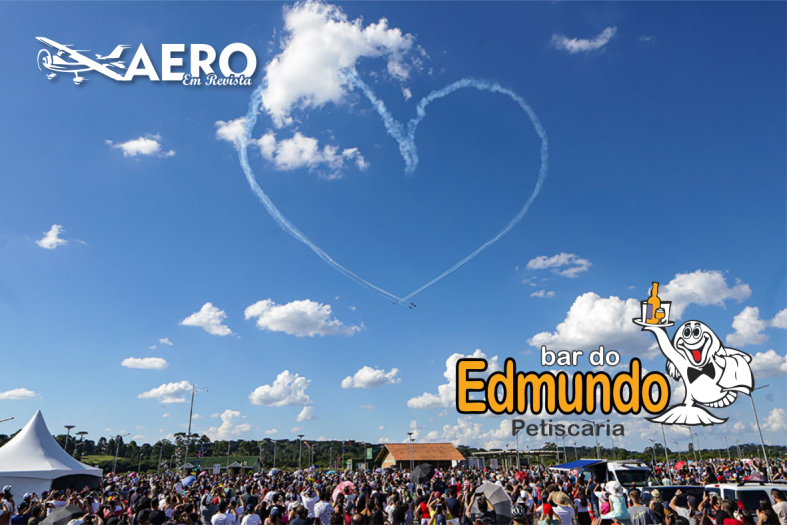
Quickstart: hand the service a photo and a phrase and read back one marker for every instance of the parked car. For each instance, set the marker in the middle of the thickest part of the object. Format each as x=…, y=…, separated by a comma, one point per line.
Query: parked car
x=747, y=494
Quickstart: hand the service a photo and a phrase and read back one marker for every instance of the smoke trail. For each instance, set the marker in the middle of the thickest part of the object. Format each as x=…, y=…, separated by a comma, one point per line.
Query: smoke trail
x=410, y=153
x=405, y=137
x=249, y=122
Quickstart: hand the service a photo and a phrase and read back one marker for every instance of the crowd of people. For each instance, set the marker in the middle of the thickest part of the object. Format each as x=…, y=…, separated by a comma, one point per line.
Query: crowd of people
x=532, y=495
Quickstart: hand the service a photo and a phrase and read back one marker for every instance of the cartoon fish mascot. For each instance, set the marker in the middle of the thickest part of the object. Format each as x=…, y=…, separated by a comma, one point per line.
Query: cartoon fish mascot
x=712, y=374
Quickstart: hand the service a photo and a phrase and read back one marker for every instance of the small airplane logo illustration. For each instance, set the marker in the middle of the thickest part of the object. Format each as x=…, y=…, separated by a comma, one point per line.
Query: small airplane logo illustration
x=80, y=63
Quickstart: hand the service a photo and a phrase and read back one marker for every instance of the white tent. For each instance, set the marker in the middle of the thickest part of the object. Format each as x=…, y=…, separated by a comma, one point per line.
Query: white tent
x=34, y=462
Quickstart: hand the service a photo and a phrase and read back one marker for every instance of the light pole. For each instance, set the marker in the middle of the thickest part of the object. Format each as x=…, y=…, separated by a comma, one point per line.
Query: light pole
x=565, y=451
x=666, y=453
x=275, y=441
x=759, y=430
x=229, y=444
x=738, y=445
x=518, y=462
x=576, y=458
x=300, y=449
x=729, y=457
x=653, y=450
x=191, y=413
x=598, y=452
x=68, y=435
x=614, y=455
x=698, y=445
x=117, y=450
x=81, y=435
x=160, y=452
x=677, y=445
x=139, y=465
x=410, y=434
x=693, y=448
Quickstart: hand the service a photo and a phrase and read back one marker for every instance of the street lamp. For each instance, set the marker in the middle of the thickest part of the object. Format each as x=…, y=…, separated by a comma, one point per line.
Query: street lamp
x=117, y=449
x=139, y=465
x=614, y=455
x=677, y=445
x=653, y=450
x=576, y=458
x=698, y=445
x=81, y=435
x=411, y=451
x=275, y=442
x=729, y=458
x=518, y=462
x=738, y=445
x=68, y=434
x=300, y=449
x=666, y=452
x=598, y=452
x=191, y=413
x=759, y=430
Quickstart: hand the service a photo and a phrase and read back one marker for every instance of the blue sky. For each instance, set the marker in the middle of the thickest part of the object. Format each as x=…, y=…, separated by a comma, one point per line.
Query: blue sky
x=666, y=162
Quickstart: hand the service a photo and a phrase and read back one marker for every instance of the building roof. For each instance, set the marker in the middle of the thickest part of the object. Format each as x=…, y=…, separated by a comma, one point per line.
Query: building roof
x=422, y=452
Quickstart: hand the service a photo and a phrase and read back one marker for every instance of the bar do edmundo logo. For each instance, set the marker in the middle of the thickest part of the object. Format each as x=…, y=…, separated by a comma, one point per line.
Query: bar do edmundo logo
x=201, y=61
x=713, y=376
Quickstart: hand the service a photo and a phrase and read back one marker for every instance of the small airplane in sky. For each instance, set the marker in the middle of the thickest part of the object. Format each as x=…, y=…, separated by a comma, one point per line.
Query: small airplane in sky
x=407, y=304
x=80, y=63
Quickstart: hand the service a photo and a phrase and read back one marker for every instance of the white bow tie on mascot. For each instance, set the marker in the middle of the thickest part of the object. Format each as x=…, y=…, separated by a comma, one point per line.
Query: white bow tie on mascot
x=711, y=373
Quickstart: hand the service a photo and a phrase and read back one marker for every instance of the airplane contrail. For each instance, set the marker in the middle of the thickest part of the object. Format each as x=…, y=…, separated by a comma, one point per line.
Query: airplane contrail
x=405, y=137
x=249, y=122
x=410, y=152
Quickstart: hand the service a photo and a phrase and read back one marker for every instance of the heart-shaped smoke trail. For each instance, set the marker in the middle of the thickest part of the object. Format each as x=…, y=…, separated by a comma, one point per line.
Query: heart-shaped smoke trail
x=406, y=139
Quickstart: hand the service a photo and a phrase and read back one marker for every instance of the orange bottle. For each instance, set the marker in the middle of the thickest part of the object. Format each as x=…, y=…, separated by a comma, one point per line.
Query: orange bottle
x=654, y=303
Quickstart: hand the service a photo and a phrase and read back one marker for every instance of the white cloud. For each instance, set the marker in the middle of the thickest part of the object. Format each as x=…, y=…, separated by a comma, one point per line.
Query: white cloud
x=165, y=341
x=584, y=45
x=288, y=389
x=407, y=93
x=647, y=38
x=165, y=415
x=381, y=428
x=168, y=392
x=51, y=239
x=319, y=45
x=197, y=416
x=367, y=407
x=299, y=318
x=271, y=431
x=768, y=364
x=594, y=320
x=307, y=414
x=16, y=394
x=145, y=363
x=231, y=425
x=566, y=264
x=738, y=427
x=469, y=433
x=138, y=436
x=748, y=328
x=231, y=131
x=215, y=414
x=543, y=293
x=703, y=288
x=295, y=430
x=445, y=396
x=780, y=320
x=368, y=377
x=776, y=421
x=301, y=151
x=210, y=319
x=149, y=146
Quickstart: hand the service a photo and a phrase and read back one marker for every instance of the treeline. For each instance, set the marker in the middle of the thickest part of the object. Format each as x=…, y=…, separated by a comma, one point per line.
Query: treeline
x=132, y=456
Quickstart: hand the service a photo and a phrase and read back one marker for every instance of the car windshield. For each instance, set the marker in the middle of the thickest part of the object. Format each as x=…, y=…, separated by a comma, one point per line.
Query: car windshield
x=638, y=477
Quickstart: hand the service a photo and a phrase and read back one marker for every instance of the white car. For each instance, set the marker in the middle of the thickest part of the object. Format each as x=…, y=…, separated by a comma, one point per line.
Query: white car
x=746, y=494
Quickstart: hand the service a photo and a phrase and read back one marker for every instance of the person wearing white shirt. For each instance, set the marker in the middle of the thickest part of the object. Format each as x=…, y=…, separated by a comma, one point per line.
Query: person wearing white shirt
x=224, y=516
x=310, y=499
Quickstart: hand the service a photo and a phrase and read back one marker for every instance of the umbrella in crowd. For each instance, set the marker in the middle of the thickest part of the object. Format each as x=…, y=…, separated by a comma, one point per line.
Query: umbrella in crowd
x=188, y=480
x=497, y=496
x=63, y=515
x=340, y=489
x=520, y=476
x=422, y=473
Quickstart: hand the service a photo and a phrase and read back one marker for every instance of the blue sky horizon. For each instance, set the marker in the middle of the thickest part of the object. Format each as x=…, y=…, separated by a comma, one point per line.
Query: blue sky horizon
x=136, y=262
